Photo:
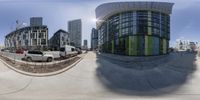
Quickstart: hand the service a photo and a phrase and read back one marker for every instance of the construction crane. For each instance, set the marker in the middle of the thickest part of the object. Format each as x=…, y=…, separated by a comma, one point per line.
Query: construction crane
x=20, y=25
x=17, y=25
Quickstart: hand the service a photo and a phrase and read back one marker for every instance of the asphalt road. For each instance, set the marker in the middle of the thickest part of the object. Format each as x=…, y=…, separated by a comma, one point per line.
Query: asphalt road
x=97, y=78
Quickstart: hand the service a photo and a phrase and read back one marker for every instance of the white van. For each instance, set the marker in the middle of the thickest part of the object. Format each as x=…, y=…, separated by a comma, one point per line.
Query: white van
x=68, y=51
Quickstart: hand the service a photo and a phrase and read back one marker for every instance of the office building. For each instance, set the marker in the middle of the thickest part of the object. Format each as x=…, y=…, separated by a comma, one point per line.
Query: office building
x=75, y=32
x=134, y=28
x=59, y=39
x=94, y=39
x=85, y=45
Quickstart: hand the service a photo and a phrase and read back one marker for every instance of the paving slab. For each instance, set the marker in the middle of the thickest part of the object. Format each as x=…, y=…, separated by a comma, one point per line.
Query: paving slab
x=86, y=82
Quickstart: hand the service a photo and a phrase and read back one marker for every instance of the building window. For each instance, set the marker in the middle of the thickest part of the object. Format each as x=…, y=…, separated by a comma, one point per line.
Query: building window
x=24, y=36
x=43, y=41
x=40, y=35
x=34, y=42
x=26, y=42
x=63, y=39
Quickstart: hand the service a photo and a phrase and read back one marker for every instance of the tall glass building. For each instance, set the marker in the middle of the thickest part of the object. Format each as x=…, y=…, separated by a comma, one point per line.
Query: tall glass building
x=75, y=32
x=134, y=28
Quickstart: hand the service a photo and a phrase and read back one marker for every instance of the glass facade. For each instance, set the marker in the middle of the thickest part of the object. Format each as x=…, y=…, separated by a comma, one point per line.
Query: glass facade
x=135, y=33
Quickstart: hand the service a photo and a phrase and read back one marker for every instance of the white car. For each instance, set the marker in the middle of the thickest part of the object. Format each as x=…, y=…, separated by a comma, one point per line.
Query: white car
x=38, y=56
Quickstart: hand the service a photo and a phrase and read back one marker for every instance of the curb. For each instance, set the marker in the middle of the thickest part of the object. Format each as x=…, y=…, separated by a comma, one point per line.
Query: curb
x=44, y=74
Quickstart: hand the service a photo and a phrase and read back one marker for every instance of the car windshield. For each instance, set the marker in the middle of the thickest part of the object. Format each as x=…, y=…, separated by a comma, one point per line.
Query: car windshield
x=62, y=49
x=35, y=52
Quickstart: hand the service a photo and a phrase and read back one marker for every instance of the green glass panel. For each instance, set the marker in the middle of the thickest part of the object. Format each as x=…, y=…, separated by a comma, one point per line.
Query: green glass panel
x=146, y=45
x=135, y=45
x=112, y=46
x=150, y=43
x=127, y=45
x=149, y=30
x=140, y=45
x=150, y=51
x=164, y=46
x=121, y=45
x=120, y=33
x=132, y=45
x=161, y=46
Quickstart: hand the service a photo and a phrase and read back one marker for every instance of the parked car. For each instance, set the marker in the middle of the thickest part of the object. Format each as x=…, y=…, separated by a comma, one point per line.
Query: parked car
x=38, y=56
x=5, y=50
x=68, y=51
x=12, y=51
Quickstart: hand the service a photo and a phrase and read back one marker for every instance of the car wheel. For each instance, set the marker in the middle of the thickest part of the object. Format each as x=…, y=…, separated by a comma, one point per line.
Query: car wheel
x=29, y=59
x=49, y=59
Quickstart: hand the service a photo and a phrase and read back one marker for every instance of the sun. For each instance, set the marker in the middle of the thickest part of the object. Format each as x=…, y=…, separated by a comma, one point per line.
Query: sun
x=94, y=20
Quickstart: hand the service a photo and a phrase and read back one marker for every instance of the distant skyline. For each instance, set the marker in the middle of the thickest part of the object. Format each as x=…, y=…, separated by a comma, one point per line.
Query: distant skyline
x=185, y=16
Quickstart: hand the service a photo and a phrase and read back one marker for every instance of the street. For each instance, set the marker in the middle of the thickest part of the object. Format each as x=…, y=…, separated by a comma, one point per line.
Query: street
x=96, y=78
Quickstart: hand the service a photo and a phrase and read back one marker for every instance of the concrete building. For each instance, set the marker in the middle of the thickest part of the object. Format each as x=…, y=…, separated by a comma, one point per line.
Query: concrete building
x=94, y=39
x=59, y=39
x=36, y=21
x=134, y=28
x=29, y=37
x=75, y=32
x=183, y=45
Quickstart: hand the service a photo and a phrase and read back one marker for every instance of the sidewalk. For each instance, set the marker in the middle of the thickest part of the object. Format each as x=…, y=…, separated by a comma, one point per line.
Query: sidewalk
x=152, y=77
x=138, y=63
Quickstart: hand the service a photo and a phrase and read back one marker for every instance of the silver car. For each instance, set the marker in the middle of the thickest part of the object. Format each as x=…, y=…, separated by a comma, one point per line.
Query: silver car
x=38, y=56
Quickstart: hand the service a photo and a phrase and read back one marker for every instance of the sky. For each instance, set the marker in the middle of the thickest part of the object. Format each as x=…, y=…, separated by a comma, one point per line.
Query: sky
x=185, y=17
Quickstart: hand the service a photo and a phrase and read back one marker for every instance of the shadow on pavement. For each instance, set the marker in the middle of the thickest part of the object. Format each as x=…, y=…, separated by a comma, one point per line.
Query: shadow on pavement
x=161, y=79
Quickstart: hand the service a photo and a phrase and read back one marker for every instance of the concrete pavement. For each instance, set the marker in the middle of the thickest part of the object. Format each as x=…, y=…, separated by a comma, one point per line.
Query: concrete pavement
x=85, y=81
x=140, y=78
